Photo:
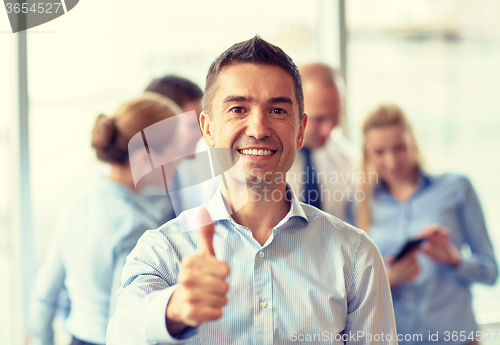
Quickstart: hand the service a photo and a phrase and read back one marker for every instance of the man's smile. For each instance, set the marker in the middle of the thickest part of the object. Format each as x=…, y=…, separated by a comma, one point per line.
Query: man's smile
x=256, y=152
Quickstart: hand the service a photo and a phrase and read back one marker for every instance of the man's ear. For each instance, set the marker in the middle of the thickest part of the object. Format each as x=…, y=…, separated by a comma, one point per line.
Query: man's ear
x=205, y=125
x=300, y=135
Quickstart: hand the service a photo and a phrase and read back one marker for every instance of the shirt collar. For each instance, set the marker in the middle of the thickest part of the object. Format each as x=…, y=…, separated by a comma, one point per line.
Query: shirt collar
x=218, y=211
x=296, y=209
x=423, y=181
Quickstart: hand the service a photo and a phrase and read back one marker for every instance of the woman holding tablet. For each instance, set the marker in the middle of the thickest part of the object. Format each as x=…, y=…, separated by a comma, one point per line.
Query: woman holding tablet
x=431, y=283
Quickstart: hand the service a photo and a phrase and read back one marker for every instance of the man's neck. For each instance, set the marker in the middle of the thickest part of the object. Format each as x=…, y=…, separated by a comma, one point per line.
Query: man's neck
x=266, y=206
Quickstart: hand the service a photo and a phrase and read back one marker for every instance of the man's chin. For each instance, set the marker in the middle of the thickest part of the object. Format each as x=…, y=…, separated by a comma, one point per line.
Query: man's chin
x=265, y=178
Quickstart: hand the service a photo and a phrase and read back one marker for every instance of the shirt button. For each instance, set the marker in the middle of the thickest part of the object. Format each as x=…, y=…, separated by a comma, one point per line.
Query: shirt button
x=263, y=304
x=261, y=255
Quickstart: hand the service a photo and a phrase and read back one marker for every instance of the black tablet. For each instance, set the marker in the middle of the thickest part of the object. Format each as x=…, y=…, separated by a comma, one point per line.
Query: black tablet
x=409, y=246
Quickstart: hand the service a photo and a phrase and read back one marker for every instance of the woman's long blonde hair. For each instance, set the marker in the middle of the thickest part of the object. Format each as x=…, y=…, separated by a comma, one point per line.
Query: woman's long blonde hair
x=384, y=115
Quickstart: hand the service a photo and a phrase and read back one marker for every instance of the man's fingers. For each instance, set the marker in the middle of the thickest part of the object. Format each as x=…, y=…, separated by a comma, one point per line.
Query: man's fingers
x=206, y=299
x=196, y=315
x=207, y=229
x=202, y=286
x=203, y=282
x=205, y=265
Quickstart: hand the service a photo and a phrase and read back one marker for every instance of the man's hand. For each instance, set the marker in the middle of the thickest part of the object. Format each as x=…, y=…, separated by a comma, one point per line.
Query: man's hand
x=403, y=270
x=202, y=285
x=438, y=245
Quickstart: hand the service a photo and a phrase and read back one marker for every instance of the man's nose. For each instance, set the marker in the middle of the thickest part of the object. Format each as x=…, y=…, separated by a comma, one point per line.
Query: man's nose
x=258, y=125
x=325, y=130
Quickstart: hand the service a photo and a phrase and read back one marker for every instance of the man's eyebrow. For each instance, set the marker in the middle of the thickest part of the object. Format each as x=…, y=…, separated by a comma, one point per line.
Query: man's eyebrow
x=230, y=99
x=281, y=100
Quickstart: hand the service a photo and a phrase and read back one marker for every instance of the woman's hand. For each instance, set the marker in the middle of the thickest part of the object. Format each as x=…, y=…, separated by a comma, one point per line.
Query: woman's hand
x=438, y=245
x=403, y=270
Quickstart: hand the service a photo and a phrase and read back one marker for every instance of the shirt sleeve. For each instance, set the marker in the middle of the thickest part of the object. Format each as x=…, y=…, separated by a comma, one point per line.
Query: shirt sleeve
x=370, y=318
x=116, y=283
x=148, y=282
x=49, y=282
x=481, y=266
x=121, y=251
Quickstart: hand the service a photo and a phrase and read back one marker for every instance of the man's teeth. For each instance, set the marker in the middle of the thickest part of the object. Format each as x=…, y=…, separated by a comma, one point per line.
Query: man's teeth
x=256, y=152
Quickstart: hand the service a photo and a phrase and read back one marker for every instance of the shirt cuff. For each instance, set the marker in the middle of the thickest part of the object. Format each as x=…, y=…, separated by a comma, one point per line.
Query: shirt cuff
x=468, y=270
x=157, y=322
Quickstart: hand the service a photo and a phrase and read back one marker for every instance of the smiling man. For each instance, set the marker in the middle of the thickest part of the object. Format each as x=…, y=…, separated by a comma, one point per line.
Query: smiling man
x=274, y=271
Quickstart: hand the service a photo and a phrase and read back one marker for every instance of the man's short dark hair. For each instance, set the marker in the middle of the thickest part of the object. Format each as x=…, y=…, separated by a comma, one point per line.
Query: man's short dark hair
x=255, y=51
x=178, y=89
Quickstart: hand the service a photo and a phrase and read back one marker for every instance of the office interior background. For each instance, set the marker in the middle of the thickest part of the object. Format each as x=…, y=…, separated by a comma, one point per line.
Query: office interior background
x=438, y=59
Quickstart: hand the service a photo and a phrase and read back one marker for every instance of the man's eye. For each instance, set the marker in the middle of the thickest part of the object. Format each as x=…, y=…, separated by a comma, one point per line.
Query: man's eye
x=278, y=111
x=237, y=110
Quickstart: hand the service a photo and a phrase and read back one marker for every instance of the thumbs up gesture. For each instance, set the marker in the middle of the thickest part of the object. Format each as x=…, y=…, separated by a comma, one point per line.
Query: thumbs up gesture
x=202, y=286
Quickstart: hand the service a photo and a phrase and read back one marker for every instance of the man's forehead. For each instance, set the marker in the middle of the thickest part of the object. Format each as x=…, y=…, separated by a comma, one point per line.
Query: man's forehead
x=245, y=79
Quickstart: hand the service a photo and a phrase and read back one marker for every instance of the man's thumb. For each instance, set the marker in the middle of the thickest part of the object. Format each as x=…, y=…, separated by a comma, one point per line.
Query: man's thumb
x=207, y=230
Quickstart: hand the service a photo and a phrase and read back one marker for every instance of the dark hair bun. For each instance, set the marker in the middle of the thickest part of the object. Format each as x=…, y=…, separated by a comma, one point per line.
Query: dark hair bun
x=111, y=135
x=103, y=133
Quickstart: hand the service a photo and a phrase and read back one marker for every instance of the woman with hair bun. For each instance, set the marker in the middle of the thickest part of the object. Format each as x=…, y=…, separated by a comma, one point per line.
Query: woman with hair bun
x=102, y=223
x=431, y=284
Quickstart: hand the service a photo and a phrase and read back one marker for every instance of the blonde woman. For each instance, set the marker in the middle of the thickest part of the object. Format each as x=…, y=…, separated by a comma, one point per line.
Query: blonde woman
x=103, y=222
x=431, y=285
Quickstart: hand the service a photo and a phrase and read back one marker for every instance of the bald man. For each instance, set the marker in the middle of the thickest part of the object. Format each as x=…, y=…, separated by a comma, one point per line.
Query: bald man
x=323, y=173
